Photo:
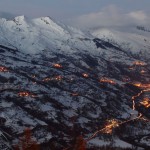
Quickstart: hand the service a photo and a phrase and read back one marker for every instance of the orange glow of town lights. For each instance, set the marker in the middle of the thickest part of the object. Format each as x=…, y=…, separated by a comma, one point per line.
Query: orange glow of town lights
x=145, y=86
x=3, y=69
x=85, y=75
x=74, y=94
x=137, y=84
x=58, y=78
x=142, y=71
x=139, y=63
x=26, y=94
x=23, y=94
x=57, y=65
x=146, y=102
x=46, y=79
x=110, y=125
x=106, y=80
x=131, y=68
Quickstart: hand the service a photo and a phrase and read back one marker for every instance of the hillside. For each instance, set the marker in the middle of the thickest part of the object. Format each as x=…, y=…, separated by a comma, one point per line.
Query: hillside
x=61, y=83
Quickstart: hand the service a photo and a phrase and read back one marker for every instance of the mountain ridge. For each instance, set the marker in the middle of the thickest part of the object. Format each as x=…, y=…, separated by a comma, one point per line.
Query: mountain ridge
x=62, y=82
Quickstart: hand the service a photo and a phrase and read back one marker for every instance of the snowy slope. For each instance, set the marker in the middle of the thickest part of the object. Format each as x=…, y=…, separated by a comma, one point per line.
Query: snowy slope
x=33, y=36
x=130, y=38
x=61, y=82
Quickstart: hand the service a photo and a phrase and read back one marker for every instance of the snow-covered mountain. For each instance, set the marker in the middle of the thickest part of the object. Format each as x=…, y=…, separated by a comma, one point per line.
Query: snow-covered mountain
x=131, y=38
x=33, y=36
x=62, y=82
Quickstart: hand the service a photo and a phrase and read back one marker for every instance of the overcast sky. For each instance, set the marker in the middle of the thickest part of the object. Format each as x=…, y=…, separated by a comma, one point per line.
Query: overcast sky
x=81, y=12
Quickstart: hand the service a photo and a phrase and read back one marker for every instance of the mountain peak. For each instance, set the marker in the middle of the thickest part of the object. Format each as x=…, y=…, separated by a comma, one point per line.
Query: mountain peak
x=19, y=19
x=48, y=20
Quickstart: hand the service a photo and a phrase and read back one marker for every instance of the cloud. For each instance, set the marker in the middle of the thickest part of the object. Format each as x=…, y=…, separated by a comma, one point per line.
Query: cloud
x=111, y=16
x=138, y=15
